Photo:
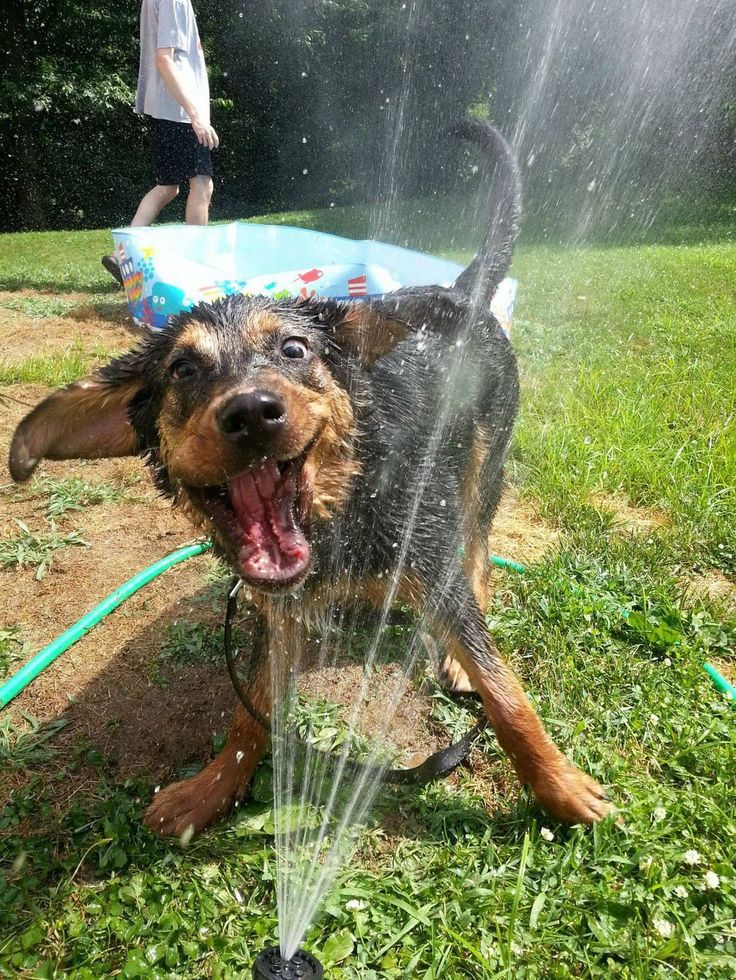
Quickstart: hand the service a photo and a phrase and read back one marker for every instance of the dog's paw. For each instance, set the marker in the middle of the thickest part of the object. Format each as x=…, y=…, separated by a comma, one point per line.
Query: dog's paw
x=571, y=796
x=454, y=677
x=186, y=808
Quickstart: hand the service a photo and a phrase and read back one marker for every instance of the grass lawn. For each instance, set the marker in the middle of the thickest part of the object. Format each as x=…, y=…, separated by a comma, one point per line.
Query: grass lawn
x=627, y=445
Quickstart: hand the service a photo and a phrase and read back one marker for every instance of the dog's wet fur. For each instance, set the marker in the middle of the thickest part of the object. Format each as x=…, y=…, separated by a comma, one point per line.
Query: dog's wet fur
x=334, y=451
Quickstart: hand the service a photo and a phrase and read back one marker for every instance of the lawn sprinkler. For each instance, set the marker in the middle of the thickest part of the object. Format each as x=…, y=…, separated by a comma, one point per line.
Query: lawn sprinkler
x=271, y=965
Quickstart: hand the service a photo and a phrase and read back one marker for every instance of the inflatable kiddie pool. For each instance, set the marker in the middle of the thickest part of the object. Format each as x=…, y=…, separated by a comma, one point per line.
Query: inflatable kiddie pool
x=171, y=268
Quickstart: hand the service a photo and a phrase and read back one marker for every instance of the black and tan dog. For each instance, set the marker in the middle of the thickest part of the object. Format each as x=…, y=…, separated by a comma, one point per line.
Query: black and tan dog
x=333, y=451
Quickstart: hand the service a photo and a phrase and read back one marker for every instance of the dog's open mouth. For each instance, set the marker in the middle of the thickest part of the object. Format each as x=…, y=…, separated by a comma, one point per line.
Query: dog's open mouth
x=259, y=511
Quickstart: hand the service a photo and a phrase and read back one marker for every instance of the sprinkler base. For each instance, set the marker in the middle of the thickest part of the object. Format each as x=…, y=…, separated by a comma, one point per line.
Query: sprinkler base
x=270, y=965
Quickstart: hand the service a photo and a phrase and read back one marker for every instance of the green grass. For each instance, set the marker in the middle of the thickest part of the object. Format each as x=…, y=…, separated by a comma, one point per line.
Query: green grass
x=63, y=261
x=38, y=307
x=11, y=648
x=57, y=261
x=30, y=548
x=460, y=892
x=628, y=356
x=53, y=370
x=45, y=369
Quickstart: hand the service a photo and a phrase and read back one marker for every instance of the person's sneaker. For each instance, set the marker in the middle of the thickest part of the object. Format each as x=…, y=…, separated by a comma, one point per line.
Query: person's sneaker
x=113, y=267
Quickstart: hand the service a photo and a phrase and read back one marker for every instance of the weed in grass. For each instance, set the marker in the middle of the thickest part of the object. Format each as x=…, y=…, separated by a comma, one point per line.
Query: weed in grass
x=186, y=643
x=23, y=746
x=73, y=493
x=216, y=577
x=12, y=648
x=30, y=548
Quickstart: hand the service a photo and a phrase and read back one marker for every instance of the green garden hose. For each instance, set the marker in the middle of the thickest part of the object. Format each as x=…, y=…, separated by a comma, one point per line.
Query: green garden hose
x=720, y=682
x=15, y=684
x=23, y=677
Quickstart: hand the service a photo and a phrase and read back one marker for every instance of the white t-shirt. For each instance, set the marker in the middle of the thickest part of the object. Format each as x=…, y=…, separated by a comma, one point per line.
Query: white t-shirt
x=171, y=24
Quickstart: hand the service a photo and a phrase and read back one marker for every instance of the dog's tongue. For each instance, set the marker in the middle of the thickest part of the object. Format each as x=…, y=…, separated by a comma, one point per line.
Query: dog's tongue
x=272, y=547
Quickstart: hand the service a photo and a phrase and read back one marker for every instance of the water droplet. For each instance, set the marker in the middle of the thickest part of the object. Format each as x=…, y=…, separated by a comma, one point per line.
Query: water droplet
x=19, y=862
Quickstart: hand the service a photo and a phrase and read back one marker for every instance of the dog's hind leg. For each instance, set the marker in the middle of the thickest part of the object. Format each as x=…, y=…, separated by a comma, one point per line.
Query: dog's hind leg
x=566, y=792
x=187, y=807
x=479, y=504
x=453, y=675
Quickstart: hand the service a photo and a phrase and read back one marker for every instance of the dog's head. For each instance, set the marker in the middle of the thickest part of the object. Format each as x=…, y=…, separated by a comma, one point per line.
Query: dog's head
x=246, y=411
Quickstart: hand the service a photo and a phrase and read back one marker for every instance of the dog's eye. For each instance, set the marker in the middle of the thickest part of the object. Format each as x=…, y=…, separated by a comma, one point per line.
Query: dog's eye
x=294, y=348
x=182, y=369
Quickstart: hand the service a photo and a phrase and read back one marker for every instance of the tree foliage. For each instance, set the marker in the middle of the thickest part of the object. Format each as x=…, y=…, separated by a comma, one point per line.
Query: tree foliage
x=341, y=101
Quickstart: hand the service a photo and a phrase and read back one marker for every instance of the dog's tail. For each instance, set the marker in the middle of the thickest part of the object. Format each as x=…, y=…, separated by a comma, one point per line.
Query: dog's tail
x=481, y=278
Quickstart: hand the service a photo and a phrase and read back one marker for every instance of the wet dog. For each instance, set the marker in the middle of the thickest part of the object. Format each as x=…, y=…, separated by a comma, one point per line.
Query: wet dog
x=333, y=451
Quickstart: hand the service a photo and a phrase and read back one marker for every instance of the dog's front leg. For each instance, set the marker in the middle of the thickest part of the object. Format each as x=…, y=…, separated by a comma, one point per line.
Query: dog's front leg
x=187, y=807
x=566, y=792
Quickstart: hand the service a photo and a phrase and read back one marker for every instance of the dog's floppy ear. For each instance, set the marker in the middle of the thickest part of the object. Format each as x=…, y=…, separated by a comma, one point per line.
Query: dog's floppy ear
x=85, y=420
x=361, y=330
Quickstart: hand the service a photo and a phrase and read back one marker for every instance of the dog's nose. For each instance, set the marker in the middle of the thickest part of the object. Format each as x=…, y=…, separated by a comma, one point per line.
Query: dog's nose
x=254, y=416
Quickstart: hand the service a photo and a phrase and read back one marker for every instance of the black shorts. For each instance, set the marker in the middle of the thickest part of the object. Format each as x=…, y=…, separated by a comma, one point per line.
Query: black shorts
x=176, y=153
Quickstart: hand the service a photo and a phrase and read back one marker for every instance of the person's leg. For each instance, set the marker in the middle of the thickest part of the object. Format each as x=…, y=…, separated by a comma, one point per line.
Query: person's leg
x=154, y=201
x=165, y=140
x=198, y=202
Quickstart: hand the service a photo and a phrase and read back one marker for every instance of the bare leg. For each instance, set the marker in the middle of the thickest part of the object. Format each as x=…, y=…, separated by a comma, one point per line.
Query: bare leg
x=198, y=202
x=154, y=202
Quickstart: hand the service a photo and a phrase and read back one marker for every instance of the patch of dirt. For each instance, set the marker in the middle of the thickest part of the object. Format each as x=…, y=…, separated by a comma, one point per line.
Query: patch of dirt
x=519, y=533
x=713, y=584
x=84, y=328
x=403, y=723
x=635, y=520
